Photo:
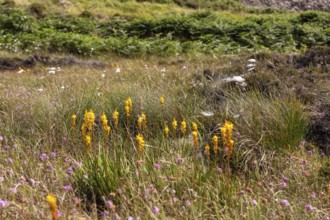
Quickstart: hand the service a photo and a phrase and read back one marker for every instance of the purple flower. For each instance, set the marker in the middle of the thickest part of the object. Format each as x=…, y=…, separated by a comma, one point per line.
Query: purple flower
x=175, y=199
x=24, y=162
x=254, y=202
x=109, y=204
x=219, y=170
x=77, y=164
x=116, y=216
x=69, y=170
x=283, y=184
x=43, y=157
x=313, y=196
x=187, y=203
x=285, y=179
x=309, y=207
x=32, y=182
x=59, y=214
x=1, y=179
x=285, y=202
x=155, y=210
x=326, y=218
x=49, y=167
x=180, y=161
x=136, y=172
x=67, y=188
x=3, y=203
x=10, y=172
x=53, y=154
x=105, y=214
x=130, y=218
x=157, y=166
x=119, y=191
x=1, y=139
x=10, y=160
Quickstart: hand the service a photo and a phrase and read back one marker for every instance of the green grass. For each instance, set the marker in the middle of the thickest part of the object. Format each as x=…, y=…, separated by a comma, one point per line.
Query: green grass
x=267, y=132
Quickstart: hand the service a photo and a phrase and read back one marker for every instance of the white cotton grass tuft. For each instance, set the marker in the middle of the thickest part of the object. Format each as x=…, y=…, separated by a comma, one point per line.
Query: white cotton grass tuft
x=207, y=113
x=239, y=79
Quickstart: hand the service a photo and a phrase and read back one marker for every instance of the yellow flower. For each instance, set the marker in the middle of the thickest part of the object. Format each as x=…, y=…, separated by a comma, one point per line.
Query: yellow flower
x=195, y=139
x=207, y=151
x=194, y=126
x=161, y=101
x=140, y=143
x=174, y=125
x=89, y=118
x=215, y=144
x=166, y=130
x=51, y=199
x=73, y=122
x=144, y=117
x=226, y=134
x=140, y=121
x=88, y=141
x=183, y=127
x=115, y=116
x=128, y=107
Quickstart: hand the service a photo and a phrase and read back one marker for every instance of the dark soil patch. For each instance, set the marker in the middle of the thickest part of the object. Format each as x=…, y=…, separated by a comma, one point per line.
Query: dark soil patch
x=15, y=63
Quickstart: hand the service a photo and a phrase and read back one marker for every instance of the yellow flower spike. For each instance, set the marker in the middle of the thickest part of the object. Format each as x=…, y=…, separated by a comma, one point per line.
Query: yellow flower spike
x=215, y=144
x=144, y=118
x=140, y=122
x=183, y=127
x=51, y=199
x=226, y=134
x=166, y=130
x=161, y=101
x=174, y=125
x=115, y=116
x=140, y=143
x=127, y=111
x=207, y=151
x=195, y=140
x=89, y=119
x=194, y=126
x=73, y=122
x=88, y=141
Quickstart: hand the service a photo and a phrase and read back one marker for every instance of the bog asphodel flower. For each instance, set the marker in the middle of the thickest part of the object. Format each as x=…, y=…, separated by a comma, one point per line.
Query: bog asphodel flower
x=195, y=140
x=87, y=128
x=51, y=199
x=115, y=116
x=105, y=126
x=207, y=151
x=183, y=127
x=140, y=143
x=144, y=120
x=161, y=101
x=73, y=122
x=215, y=144
x=194, y=126
x=128, y=107
x=174, y=125
x=226, y=134
x=166, y=131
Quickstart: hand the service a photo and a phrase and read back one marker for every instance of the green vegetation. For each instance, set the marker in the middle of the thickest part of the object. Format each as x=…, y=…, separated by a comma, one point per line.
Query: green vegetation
x=188, y=33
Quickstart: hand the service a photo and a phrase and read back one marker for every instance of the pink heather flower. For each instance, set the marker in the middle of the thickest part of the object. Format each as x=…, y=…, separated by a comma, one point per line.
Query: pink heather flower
x=187, y=203
x=175, y=199
x=67, y=160
x=157, y=166
x=285, y=179
x=69, y=170
x=3, y=203
x=313, y=196
x=105, y=214
x=136, y=172
x=283, y=184
x=155, y=210
x=119, y=191
x=309, y=207
x=53, y=154
x=77, y=164
x=32, y=182
x=24, y=162
x=180, y=161
x=285, y=202
x=67, y=187
x=130, y=218
x=10, y=172
x=254, y=202
x=10, y=160
x=109, y=204
x=116, y=216
x=1, y=139
x=49, y=167
x=1, y=179
x=59, y=214
x=219, y=170
x=43, y=157
x=86, y=177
